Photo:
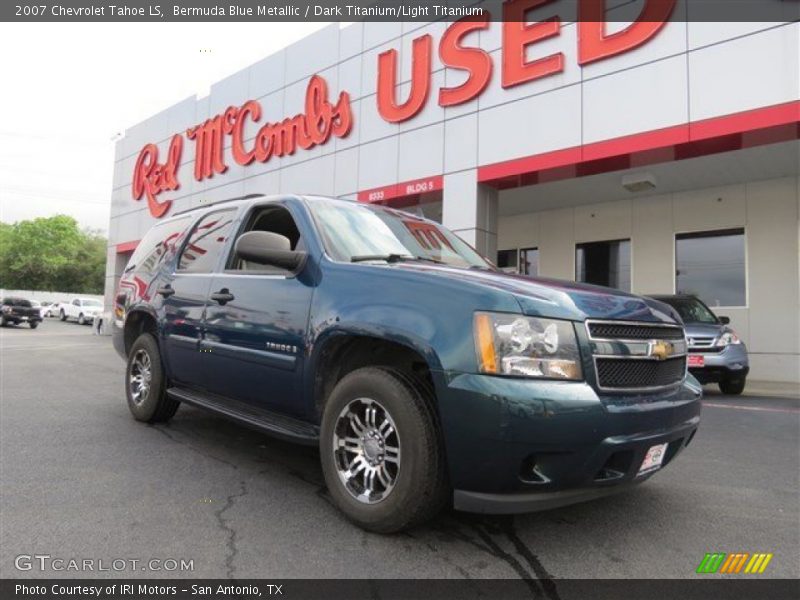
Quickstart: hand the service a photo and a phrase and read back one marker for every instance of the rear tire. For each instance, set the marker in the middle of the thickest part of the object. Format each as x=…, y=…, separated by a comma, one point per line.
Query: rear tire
x=62, y=315
x=732, y=387
x=33, y=324
x=81, y=319
x=146, y=383
x=385, y=469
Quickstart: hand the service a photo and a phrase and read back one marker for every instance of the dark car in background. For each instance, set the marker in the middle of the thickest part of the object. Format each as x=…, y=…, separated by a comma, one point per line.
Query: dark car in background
x=716, y=353
x=423, y=373
x=19, y=310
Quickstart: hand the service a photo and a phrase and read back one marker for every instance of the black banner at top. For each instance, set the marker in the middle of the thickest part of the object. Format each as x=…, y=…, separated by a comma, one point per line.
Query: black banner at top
x=397, y=10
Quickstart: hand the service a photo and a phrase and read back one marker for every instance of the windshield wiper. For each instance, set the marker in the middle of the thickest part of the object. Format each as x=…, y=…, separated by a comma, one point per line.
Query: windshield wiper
x=430, y=259
x=391, y=258
x=387, y=257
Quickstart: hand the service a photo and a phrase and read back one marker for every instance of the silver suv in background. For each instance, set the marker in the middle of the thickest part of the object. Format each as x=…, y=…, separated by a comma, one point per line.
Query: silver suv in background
x=716, y=353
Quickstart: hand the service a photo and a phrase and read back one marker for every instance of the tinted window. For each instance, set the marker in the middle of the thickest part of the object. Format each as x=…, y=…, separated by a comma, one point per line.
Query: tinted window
x=353, y=230
x=204, y=245
x=529, y=261
x=691, y=310
x=159, y=242
x=507, y=260
x=274, y=219
x=16, y=302
x=604, y=263
x=711, y=266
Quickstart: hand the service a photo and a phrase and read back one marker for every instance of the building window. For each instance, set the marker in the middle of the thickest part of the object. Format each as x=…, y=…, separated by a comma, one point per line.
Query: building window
x=711, y=266
x=604, y=263
x=206, y=242
x=529, y=261
x=507, y=260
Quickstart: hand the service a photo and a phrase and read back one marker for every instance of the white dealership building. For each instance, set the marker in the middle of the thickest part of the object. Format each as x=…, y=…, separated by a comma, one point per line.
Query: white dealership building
x=657, y=157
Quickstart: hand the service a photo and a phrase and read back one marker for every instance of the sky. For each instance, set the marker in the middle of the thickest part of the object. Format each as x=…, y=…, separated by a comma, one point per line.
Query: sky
x=69, y=90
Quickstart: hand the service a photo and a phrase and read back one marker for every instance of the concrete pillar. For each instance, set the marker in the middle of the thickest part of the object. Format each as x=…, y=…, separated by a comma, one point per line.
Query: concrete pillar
x=470, y=210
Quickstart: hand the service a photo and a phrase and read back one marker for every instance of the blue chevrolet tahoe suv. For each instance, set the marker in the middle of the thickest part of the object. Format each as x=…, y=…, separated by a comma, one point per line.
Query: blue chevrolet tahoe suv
x=424, y=374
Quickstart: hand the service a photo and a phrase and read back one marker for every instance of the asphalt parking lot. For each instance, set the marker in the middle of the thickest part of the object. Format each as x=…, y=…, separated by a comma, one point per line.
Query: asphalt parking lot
x=79, y=478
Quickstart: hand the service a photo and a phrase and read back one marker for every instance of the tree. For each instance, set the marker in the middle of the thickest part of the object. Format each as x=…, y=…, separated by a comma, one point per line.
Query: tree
x=51, y=254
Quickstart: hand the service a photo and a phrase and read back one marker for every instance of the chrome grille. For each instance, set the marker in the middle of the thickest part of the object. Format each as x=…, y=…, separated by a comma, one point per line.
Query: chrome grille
x=701, y=342
x=634, y=357
x=624, y=331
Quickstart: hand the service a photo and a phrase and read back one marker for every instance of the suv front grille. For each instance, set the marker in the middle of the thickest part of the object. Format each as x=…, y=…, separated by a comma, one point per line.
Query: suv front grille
x=621, y=373
x=634, y=357
x=624, y=331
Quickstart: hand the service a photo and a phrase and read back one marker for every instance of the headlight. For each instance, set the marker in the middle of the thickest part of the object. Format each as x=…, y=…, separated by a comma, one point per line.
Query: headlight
x=526, y=346
x=728, y=338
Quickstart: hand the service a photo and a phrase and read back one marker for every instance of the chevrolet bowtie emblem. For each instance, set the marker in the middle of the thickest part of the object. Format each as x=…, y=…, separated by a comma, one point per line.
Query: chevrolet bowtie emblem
x=661, y=350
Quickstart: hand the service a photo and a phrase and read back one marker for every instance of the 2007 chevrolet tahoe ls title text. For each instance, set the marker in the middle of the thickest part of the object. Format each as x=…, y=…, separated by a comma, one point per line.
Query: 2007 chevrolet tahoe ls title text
x=424, y=374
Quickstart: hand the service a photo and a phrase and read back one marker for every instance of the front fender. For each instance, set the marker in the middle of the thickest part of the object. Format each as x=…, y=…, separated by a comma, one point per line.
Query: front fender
x=391, y=332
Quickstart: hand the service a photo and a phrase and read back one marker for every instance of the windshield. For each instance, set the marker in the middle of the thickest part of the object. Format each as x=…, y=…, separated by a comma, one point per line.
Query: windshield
x=354, y=231
x=92, y=303
x=16, y=302
x=691, y=310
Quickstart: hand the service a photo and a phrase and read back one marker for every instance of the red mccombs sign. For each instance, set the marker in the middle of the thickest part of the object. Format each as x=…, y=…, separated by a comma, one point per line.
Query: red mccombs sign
x=323, y=119
x=315, y=126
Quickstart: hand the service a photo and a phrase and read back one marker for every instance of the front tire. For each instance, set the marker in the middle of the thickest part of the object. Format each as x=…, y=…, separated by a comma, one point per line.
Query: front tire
x=62, y=315
x=33, y=324
x=381, y=453
x=732, y=387
x=146, y=383
x=81, y=319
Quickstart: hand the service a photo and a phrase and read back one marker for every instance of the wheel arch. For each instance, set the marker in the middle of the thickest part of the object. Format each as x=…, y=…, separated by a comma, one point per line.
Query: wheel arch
x=137, y=322
x=341, y=351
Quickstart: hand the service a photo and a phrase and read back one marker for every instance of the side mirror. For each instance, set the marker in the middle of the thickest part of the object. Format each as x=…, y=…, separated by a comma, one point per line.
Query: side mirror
x=267, y=248
x=724, y=320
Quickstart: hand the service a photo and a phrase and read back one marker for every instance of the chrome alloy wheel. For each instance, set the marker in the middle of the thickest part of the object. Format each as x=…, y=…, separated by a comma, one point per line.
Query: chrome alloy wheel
x=366, y=448
x=140, y=377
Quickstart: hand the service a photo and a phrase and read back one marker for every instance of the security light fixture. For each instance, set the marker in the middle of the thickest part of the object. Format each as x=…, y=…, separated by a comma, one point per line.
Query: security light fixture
x=638, y=182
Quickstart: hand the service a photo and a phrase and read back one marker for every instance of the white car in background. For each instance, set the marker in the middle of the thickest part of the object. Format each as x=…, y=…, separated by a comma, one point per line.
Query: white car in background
x=83, y=310
x=50, y=309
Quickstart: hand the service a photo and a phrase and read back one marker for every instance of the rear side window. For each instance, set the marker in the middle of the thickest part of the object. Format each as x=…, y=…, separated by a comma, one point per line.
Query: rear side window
x=202, y=249
x=160, y=241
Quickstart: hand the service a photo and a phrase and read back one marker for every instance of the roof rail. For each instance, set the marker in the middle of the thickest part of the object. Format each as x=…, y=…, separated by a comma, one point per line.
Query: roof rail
x=247, y=197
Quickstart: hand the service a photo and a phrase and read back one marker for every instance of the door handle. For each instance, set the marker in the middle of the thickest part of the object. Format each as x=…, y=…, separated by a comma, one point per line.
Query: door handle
x=165, y=291
x=222, y=296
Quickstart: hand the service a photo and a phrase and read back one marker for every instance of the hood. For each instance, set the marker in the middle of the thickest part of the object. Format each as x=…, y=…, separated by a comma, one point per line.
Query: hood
x=553, y=297
x=704, y=329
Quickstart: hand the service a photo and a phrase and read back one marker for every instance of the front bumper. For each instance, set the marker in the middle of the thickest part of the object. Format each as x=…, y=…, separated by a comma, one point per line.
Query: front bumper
x=16, y=319
x=524, y=502
x=730, y=363
x=516, y=445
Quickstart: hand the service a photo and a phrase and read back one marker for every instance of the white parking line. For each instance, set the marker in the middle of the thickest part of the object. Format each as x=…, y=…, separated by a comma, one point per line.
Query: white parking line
x=3, y=348
x=755, y=408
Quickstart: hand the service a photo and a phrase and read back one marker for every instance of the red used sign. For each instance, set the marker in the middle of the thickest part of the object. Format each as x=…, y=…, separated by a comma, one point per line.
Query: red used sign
x=323, y=119
x=519, y=38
